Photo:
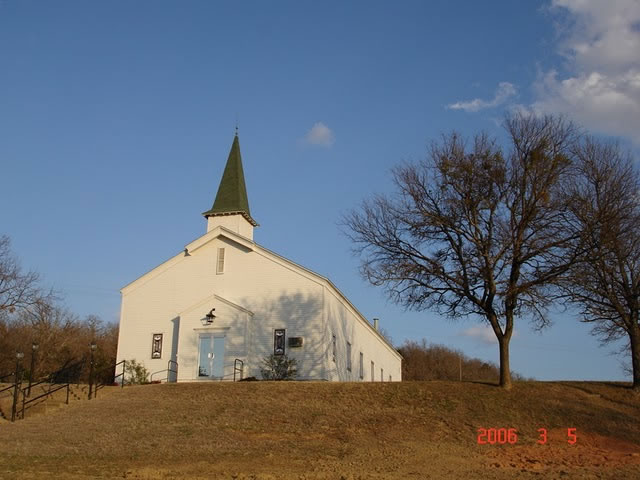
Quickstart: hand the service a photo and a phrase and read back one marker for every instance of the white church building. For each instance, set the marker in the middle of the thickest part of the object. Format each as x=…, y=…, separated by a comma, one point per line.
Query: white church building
x=225, y=303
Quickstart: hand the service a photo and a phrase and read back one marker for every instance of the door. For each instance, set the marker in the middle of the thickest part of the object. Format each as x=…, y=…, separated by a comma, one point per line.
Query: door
x=211, y=356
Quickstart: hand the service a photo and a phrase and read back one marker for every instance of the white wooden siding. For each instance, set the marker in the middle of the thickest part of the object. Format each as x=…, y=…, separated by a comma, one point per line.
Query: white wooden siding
x=258, y=293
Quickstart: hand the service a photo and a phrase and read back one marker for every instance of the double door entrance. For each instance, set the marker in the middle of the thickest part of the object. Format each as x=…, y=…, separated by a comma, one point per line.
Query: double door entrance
x=211, y=356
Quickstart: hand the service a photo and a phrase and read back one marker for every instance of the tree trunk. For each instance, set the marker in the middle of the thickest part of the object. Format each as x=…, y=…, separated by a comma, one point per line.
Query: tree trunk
x=634, y=340
x=505, y=372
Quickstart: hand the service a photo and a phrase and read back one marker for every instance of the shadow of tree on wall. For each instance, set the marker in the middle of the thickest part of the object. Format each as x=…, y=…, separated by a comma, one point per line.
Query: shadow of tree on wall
x=235, y=346
x=172, y=375
x=301, y=315
x=344, y=333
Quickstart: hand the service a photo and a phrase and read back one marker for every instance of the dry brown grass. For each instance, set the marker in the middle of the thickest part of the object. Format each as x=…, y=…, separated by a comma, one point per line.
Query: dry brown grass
x=300, y=430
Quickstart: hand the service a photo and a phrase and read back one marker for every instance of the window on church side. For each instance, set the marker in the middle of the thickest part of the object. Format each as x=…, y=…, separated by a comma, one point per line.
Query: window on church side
x=278, y=341
x=382, y=375
x=373, y=371
x=333, y=348
x=156, y=345
x=348, y=357
x=361, y=365
x=220, y=263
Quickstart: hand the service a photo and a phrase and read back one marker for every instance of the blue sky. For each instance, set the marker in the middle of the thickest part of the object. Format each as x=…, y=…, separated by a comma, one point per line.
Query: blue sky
x=116, y=119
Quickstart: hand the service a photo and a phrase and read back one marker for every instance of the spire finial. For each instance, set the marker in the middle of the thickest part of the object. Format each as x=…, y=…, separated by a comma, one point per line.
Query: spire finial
x=237, y=121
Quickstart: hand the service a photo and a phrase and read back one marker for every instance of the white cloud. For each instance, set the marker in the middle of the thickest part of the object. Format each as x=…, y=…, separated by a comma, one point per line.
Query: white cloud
x=482, y=333
x=504, y=91
x=606, y=102
x=599, y=34
x=320, y=135
x=601, y=88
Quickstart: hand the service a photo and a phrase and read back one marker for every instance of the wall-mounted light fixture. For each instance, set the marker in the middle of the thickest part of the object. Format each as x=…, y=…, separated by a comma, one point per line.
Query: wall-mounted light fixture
x=209, y=317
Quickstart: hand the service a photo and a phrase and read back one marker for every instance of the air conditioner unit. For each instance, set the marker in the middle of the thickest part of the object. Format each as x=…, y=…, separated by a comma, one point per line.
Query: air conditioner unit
x=295, y=342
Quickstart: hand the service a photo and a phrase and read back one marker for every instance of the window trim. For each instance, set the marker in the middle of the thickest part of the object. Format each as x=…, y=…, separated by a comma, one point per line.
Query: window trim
x=361, y=366
x=348, y=356
x=220, y=260
x=334, y=348
x=277, y=333
x=156, y=345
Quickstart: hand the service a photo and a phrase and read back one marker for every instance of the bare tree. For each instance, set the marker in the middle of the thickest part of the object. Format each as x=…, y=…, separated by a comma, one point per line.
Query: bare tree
x=30, y=314
x=474, y=230
x=606, y=282
x=422, y=361
x=63, y=338
x=18, y=289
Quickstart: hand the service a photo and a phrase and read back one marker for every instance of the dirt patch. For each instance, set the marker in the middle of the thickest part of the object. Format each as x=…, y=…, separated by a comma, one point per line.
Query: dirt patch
x=592, y=452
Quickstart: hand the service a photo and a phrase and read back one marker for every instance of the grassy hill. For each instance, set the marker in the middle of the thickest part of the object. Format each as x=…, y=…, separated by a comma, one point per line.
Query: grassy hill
x=300, y=430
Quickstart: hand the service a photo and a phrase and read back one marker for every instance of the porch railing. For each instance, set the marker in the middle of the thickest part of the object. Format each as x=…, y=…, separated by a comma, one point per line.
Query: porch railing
x=238, y=367
x=172, y=367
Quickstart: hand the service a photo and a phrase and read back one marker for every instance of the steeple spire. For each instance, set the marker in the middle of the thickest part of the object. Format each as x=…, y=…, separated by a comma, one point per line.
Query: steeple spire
x=231, y=198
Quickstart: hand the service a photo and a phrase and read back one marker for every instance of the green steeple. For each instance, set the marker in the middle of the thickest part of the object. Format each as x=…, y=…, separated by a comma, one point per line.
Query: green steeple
x=232, y=192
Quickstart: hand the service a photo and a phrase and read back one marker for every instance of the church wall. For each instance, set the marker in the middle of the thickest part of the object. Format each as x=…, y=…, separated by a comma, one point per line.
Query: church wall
x=344, y=323
x=149, y=310
x=231, y=322
x=172, y=299
x=235, y=223
x=154, y=305
x=279, y=297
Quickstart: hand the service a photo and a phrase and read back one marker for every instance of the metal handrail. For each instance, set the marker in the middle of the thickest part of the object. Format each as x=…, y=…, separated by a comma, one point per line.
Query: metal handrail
x=168, y=370
x=236, y=369
x=114, y=367
x=7, y=388
x=50, y=378
x=54, y=386
x=26, y=402
x=124, y=366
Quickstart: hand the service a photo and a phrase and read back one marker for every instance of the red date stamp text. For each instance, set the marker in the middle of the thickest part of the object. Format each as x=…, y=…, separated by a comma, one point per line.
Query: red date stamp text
x=501, y=436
